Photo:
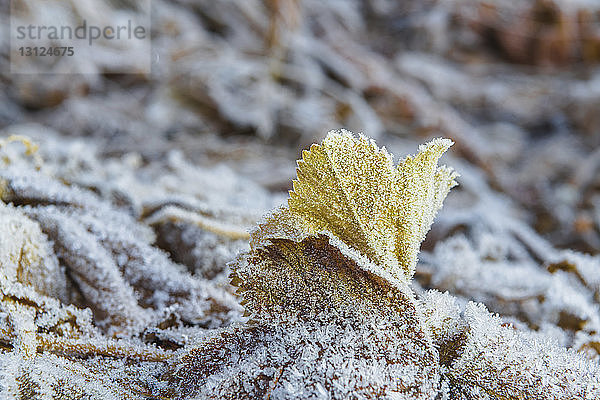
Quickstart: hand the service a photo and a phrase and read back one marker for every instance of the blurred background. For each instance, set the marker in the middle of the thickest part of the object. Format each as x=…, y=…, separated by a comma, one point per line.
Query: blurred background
x=239, y=87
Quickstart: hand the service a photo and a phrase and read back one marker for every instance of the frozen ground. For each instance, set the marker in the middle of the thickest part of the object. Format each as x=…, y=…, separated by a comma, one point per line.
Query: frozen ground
x=116, y=233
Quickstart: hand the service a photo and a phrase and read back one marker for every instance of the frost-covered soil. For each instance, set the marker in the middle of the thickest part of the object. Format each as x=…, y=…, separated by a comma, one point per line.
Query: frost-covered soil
x=116, y=234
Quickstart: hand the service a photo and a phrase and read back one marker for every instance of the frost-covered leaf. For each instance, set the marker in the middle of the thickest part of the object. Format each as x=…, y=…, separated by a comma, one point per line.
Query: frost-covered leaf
x=331, y=310
x=96, y=274
x=500, y=362
x=27, y=257
x=313, y=359
x=563, y=294
x=110, y=257
x=326, y=322
x=350, y=187
x=315, y=276
x=487, y=358
x=206, y=254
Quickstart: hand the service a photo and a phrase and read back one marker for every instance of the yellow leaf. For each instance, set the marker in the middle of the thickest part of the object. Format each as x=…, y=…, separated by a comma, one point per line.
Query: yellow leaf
x=351, y=188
